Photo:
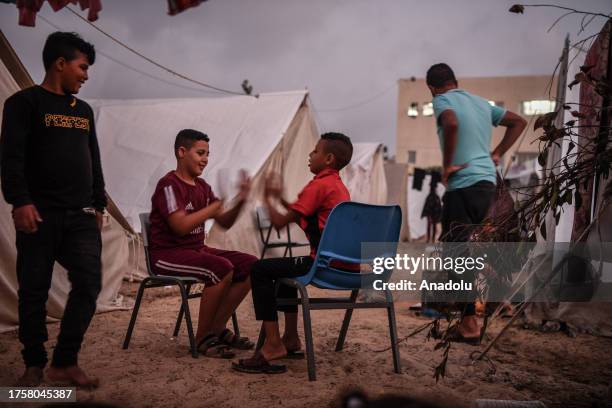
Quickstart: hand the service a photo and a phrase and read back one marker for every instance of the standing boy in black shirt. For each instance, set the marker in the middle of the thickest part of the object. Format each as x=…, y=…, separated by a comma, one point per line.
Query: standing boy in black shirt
x=51, y=174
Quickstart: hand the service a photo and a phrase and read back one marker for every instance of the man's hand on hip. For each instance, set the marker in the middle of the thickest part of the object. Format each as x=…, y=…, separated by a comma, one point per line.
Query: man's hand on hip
x=450, y=170
x=26, y=218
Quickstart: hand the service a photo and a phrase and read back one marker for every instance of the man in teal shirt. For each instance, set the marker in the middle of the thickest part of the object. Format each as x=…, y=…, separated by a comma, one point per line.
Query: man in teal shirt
x=465, y=125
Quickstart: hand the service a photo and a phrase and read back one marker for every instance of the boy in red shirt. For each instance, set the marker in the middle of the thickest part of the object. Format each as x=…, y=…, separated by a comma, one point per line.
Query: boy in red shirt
x=182, y=202
x=310, y=211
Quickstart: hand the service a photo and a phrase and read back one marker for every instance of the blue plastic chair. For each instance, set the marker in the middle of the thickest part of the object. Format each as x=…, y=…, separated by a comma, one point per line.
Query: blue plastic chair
x=349, y=225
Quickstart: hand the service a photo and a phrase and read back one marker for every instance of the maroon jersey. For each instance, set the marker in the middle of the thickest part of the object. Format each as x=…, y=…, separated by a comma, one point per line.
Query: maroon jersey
x=173, y=194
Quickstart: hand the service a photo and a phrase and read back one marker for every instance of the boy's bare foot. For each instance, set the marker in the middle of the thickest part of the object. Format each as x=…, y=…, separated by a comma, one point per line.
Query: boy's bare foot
x=73, y=375
x=469, y=327
x=292, y=343
x=32, y=377
x=273, y=353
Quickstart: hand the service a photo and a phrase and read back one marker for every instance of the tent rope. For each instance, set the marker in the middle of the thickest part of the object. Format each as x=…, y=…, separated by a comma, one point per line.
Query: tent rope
x=171, y=71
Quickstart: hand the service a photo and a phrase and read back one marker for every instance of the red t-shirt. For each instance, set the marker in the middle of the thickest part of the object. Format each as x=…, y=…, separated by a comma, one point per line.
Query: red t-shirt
x=315, y=202
x=173, y=194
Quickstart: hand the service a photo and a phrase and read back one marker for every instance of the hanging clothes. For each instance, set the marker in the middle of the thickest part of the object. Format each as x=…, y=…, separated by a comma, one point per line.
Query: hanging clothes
x=29, y=8
x=436, y=177
x=417, y=181
x=176, y=6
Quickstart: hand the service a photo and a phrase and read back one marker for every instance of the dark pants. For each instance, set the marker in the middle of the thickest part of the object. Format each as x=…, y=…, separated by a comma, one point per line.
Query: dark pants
x=264, y=274
x=72, y=238
x=462, y=211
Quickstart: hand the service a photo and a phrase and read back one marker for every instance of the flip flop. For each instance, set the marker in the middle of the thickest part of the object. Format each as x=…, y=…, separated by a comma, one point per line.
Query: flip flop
x=211, y=346
x=295, y=355
x=228, y=338
x=258, y=365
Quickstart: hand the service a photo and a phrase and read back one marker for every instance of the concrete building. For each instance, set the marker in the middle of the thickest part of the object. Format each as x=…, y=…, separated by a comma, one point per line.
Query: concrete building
x=417, y=140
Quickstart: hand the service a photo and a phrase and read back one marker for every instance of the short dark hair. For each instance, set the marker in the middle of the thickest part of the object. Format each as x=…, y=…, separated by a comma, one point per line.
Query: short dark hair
x=439, y=75
x=340, y=146
x=63, y=44
x=187, y=137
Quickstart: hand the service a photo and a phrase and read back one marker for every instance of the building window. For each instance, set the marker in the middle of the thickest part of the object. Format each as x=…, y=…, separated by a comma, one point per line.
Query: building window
x=413, y=110
x=411, y=156
x=428, y=109
x=537, y=107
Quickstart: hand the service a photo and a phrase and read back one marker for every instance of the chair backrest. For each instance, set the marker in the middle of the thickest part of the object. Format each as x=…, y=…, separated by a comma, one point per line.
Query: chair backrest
x=263, y=219
x=145, y=224
x=349, y=225
x=265, y=226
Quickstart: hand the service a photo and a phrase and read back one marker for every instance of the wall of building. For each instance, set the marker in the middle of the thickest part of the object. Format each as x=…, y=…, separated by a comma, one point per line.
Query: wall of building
x=418, y=134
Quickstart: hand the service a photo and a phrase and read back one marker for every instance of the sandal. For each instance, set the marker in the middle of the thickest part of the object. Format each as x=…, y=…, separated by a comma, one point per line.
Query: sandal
x=258, y=365
x=211, y=346
x=228, y=338
x=295, y=355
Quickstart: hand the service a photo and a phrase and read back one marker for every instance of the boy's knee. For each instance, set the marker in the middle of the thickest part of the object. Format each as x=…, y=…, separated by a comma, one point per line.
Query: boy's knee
x=228, y=276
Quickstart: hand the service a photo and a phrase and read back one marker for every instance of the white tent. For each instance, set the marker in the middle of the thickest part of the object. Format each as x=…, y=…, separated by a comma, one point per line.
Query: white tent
x=365, y=176
x=115, y=252
x=274, y=132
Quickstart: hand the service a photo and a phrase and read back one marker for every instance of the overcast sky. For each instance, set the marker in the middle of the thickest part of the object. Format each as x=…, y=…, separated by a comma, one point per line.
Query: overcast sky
x=348, y=53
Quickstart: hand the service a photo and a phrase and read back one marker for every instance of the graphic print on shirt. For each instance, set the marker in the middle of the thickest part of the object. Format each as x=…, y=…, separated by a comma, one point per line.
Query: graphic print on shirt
x=65, y=121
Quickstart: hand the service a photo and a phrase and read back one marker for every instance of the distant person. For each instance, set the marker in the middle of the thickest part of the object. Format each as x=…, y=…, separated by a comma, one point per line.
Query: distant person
x=311, y=209
x=180, y=205
x=52, y=176
x=432, y=211
x=465, y=124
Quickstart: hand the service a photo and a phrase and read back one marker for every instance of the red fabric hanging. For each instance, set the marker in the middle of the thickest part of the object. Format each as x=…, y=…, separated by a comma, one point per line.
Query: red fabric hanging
x=176, y=6
x=29, y=8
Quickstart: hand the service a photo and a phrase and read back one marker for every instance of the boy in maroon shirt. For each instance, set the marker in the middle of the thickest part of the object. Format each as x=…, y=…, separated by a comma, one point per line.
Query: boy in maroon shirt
x=182, y=202
x=310, y=211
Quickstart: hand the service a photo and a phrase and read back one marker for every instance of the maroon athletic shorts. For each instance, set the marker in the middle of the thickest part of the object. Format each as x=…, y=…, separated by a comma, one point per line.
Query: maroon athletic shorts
x=209, y=265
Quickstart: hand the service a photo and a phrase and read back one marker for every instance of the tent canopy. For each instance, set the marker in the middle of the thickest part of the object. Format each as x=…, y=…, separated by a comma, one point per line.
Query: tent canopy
x=137, y=139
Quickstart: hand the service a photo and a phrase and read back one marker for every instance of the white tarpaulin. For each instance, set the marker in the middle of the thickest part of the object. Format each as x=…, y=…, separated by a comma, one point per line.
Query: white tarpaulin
x=365, y=176
x=593, y=317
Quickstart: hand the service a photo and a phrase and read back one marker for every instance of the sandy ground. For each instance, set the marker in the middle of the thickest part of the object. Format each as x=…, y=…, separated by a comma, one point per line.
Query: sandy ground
x=158, y=371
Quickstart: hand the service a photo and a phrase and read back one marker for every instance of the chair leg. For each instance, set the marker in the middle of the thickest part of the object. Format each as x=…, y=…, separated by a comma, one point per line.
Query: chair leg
x=393, y=332
x=345, y=324
x=265, y=243
x=235, y=324
x=128, y=335
x=308, y=333
x=185, y=308
x=177, y=326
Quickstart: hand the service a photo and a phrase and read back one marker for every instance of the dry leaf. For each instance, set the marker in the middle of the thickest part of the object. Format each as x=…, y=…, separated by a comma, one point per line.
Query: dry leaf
x=586, y=68
x=544, y=121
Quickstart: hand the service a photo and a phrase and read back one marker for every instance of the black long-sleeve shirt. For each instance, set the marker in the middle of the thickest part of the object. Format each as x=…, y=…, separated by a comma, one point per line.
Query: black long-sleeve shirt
x=49, y=152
